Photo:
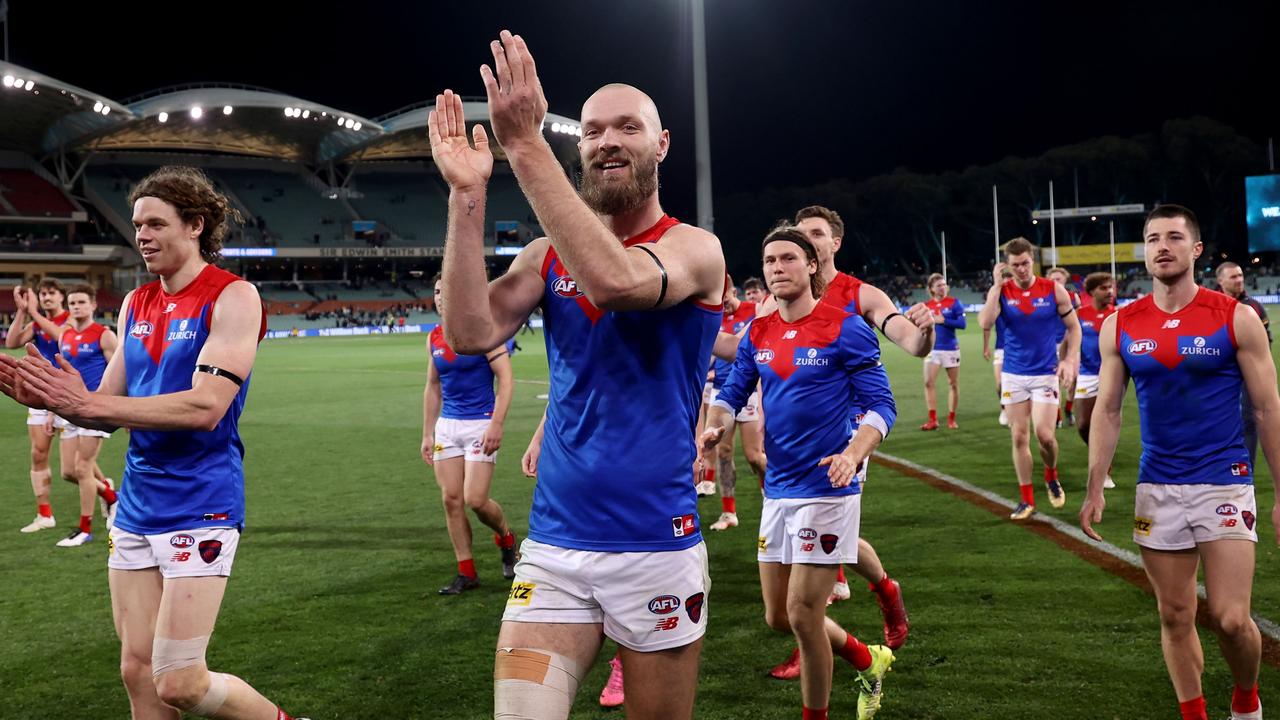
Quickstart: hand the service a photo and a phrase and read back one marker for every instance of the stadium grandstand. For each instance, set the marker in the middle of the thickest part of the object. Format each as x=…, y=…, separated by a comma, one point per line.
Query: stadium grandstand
x=343, y=215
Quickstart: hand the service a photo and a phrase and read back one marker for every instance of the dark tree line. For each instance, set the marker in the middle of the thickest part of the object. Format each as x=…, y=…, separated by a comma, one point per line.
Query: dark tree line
x=894, y=221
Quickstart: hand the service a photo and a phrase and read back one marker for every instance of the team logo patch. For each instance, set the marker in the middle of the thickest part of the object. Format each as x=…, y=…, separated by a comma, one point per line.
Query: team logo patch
x=1226, y=509
x=111, y=545
x=1248, y=519
x=1142, y=347
x=210, y=550
x=141, y=329
x=828, y=542
x=693, y=606
x=664, y=604
x=521, y=593
x=565, y=287
x=1240, y=469
x=182, y=540
x=1142, y=526
x=807, y=534
x=764, y=357
x=762, y=544
x=1006, y=393
x=439, y=447
x=684, y=525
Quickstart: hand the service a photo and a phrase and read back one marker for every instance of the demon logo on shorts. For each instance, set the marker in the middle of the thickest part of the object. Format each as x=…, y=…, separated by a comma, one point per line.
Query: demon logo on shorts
x=693, y=606
x=210, y=550
x=828, y=542
x=1248, y=519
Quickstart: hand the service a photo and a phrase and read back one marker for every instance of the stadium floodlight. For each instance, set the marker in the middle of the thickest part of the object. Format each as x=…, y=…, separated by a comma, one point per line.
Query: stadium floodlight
x=8, y=81
x=341, y=120
x=97, y=107
x=350, y=123
x=555, y=127
x=226, y=109
x=17, y=82
x=106, y=109
x=29, y=85
x=306, y=114
x=288, y=112
x=196, y=112
x=163, y=117
x=357, y=126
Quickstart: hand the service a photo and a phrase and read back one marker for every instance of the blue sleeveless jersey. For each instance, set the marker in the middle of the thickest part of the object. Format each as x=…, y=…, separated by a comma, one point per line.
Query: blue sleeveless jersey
x=731, y=323
x=466, y=381
x=1091, y=320
x=616, y=471
x=178, y=479
x=1031, y=325
x=844, y=293
x=1000, y=329
x=83, y=349
x=808, y=371
x=1188, y=381
x=944, y=333
x=46, y=343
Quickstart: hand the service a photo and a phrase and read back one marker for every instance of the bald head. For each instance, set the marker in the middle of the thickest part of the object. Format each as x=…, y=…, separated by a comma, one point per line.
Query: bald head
x=619, y=99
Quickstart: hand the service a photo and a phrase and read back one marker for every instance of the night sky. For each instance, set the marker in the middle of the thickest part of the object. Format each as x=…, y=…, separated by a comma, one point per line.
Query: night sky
x=802, y=91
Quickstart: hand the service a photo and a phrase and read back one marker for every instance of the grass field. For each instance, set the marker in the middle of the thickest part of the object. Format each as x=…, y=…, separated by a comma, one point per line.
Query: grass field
x=332, y=609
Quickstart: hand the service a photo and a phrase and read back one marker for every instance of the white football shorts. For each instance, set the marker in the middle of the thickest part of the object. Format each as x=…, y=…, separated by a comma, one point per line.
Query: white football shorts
x=1180, y=517
x=462, y=438
x=1036, y=388
x=812, y=531
x=202, y=552
x=1086, y=386
x=945, y=358
x=646, y=601
x=37, y=417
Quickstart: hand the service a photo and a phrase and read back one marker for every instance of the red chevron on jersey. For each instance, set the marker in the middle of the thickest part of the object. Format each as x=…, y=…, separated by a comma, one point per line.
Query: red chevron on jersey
x=1170, y=339
x=842, y=292
x=438, y=343
x=1025, y=299
x=776, y=340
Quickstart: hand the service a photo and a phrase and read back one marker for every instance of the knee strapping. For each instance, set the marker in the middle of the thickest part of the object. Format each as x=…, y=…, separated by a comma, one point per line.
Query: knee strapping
x=532, y=684
x=168, y=655
x=213, y=700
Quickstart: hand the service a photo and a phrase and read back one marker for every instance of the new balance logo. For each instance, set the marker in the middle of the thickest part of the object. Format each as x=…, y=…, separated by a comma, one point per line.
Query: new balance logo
x=1171, y=323
x=789, y=335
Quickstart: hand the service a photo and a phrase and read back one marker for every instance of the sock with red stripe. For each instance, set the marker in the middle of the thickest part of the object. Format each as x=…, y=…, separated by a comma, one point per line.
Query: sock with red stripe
x=506, y=542
x=45, y=510
x=1050, y=474
x=811, y=714
x=1244, y=700
x=855, y=652
x=467, y=567
x=1069, y=404
x=840, y=573
x=951, y=417
x=1028, y=494
x=885, y=588
x=729, y=504
x=107, y=494
x=86, y=524
x=709, y=475
x=282, y=715
x=1194, y=709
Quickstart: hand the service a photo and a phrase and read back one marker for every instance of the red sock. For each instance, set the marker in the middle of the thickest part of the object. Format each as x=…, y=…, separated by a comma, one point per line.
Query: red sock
x=885, y=588
x=933, y=416
x=1193, y=709
x=86, y=524
x=282, y=715
x=951, y=417
x=107, y=494
x=729, y=504
x=506, y=542
x=45, y=510
x=1050, y=473
x=811, y=714
x=710, y=475
x=840, y=573
x=1028, y=494
x=1069, y=402
x=855, y=652
x=467, y=567
x=1244, y=700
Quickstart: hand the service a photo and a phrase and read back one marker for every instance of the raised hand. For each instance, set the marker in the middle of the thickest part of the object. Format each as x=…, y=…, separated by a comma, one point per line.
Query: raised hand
x=461, y=165
x=60, y=388
x=517, y=105
x=921, y=315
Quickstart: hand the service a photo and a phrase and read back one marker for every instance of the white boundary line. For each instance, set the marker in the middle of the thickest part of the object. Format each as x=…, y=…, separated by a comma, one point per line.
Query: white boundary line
x=1267, y=627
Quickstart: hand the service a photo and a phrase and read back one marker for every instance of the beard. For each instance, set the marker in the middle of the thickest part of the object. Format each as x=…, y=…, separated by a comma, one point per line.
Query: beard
x=611, y=198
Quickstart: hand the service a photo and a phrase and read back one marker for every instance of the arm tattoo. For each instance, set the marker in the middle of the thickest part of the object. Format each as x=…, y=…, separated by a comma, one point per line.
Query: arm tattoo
x=471, y=206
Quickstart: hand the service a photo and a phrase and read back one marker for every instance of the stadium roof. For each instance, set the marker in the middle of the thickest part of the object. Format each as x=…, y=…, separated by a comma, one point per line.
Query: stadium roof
x=43, y=116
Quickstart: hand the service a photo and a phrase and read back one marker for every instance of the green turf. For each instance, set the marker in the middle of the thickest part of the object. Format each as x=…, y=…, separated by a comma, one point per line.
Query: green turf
x=332, y=609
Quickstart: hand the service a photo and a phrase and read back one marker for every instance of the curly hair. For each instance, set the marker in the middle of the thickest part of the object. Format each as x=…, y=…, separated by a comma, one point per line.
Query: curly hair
x=192, y=194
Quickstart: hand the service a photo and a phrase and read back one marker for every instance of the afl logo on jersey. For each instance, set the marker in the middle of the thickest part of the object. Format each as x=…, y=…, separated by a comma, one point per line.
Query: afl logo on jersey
x=141, y=329
x=764, y=357
x=565, y=287
x=1142, y=347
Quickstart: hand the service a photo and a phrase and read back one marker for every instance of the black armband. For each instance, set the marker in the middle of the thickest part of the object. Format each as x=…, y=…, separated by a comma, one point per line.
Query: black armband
x=219, y=372
x=1068, y=312
x=662, y=293
x=885, y=322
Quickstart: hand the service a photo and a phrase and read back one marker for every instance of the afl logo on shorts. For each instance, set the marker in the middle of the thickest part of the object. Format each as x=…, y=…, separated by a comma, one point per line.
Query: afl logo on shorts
x=664, y=604
x=182, y=541
x=807, y=534
x=565, y=287
x=141, y=329
x=1226, y=509
x=764, y=357
x=1142, y=347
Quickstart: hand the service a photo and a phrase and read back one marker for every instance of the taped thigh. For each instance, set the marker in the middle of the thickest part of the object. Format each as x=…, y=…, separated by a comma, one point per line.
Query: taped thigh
x=168, y=655
x=533, y=684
